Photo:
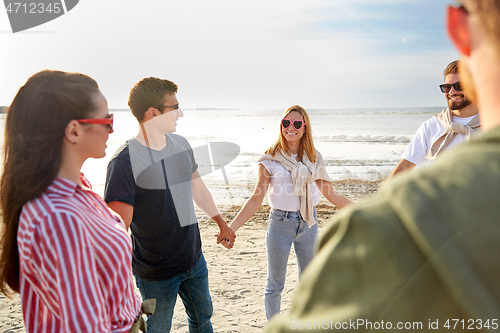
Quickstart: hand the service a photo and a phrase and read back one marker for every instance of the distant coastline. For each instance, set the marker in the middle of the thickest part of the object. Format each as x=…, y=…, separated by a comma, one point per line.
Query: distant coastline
x=188, y=109
x=3, y=109
x=402, y=110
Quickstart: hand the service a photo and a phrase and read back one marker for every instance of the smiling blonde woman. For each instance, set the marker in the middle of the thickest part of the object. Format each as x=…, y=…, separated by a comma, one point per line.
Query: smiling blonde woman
x=294, y=172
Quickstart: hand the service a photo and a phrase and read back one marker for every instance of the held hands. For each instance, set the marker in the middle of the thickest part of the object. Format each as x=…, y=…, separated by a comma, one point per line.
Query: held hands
x=226, y=237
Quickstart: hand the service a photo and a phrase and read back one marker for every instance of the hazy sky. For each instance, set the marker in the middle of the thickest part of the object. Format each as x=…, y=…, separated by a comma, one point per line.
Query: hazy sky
x=256, y=54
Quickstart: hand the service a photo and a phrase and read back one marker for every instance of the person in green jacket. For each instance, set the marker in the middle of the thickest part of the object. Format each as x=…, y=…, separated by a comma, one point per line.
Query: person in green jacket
x=424, y=254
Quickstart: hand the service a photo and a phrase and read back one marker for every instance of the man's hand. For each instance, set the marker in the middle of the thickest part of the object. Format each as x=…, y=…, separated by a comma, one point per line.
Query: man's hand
x=226, y=236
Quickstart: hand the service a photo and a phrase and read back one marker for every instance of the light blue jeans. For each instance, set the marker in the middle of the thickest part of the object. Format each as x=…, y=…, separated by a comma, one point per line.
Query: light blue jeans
x=192, y=287
x=284, y=229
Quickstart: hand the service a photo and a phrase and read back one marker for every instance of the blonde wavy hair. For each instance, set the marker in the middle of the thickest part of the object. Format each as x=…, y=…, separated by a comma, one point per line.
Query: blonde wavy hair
x=306, y=142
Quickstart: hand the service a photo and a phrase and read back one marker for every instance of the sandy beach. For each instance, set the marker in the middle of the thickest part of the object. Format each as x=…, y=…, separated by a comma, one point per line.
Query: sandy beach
x=237, y=276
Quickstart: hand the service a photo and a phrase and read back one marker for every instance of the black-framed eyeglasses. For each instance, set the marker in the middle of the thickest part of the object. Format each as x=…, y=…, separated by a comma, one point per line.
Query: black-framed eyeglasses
x=174, y=107
x=108, y=121
x=445, y=88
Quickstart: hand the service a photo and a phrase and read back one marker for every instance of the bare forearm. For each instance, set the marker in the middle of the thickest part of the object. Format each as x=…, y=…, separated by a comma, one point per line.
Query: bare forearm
x=331, y=195
x=125, y=211
x=250, y=207
x=255, y=200
x=403, y=165
x=203, y=199
x=337, y=199
x=219, y=221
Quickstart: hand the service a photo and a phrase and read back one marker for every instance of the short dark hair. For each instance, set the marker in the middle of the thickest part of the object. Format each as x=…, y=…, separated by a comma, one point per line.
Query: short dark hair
x=149, y=92
x=452, y=68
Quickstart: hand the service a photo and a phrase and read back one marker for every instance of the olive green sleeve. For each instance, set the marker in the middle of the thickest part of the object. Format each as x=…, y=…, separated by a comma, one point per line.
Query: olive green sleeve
x=367, y=269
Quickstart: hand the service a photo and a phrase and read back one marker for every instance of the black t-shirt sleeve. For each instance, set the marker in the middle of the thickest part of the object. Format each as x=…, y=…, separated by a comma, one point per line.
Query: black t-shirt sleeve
x=120, y=183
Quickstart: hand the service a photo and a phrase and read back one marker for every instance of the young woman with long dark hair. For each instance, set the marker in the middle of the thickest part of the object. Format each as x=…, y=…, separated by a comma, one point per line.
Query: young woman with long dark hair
x=62, y=249
x=294, y=172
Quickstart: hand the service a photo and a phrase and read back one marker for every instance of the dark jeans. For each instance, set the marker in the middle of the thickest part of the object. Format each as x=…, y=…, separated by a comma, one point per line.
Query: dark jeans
x=192, y=287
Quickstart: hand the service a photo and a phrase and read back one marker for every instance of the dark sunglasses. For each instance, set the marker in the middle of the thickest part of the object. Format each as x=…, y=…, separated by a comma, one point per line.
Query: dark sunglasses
x=297, y=124
x=445, y=88
x=104, y=121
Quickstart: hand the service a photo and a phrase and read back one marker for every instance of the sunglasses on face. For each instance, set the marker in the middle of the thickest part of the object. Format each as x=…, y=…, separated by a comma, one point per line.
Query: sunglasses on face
x=297, y=124
x=445, y=88
x=103, y=121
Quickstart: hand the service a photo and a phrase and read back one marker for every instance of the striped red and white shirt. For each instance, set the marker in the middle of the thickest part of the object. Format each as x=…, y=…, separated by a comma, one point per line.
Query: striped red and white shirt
x=75, y=263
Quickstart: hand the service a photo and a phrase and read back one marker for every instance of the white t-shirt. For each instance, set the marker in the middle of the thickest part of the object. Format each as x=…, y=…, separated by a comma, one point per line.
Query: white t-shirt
x=426, y=135
x=281, y=188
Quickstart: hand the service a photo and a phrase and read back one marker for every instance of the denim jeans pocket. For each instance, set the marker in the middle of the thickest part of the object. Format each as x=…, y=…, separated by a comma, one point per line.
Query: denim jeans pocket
x=276, y=215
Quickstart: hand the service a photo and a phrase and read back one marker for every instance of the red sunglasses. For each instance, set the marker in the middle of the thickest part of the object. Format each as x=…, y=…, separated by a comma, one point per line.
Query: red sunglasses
x=103, y=121
x=297, y=124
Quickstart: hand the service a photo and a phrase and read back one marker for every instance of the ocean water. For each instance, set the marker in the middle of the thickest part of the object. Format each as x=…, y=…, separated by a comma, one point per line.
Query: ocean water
x=355, y=143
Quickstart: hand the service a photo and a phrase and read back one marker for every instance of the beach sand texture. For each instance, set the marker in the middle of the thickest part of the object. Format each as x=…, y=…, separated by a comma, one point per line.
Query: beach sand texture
x=237, y=276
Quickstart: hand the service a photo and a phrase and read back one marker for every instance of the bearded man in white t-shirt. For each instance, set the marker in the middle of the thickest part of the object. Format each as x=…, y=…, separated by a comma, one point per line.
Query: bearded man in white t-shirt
x=451, y=127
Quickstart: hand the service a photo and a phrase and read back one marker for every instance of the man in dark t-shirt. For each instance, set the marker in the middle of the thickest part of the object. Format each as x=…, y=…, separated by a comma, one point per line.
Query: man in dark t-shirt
x=151, y=182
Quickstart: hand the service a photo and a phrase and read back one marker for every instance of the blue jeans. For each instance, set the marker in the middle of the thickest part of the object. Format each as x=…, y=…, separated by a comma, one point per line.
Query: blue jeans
x=284, y=229
x=192, y=287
